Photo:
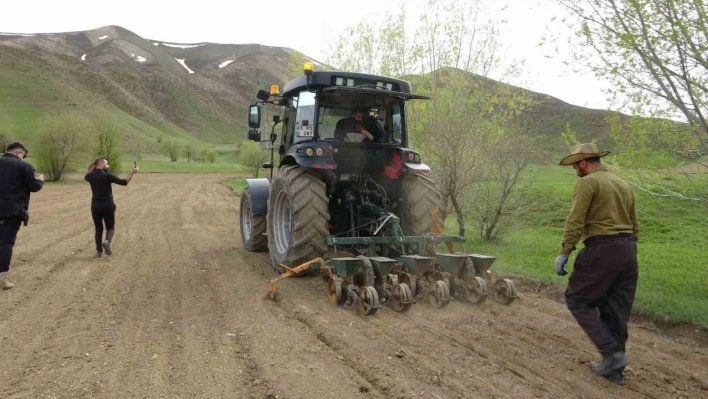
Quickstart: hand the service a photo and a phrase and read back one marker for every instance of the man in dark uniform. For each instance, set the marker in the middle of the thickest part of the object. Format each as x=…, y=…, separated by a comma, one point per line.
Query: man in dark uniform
x=353, y=124
x=17, y=181
x=601, y=289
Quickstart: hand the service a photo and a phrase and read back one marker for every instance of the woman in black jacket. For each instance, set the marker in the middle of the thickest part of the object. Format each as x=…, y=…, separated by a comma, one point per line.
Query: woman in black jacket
x=103, y=208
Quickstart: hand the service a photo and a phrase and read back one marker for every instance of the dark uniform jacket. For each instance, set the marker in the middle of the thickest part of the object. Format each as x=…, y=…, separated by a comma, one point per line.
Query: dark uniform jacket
x=101, y=182
x=17, y=181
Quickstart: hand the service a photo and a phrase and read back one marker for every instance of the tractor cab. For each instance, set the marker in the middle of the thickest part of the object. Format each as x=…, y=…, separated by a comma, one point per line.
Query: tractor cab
x=349, y=122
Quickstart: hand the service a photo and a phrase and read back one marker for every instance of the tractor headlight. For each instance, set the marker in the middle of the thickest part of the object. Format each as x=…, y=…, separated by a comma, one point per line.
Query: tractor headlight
x=309, y=152
x=417, y=157
x=319, y=152
x=411, y=156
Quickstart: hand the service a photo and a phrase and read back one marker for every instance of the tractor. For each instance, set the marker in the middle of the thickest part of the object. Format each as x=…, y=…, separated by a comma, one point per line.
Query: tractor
x=348, y=197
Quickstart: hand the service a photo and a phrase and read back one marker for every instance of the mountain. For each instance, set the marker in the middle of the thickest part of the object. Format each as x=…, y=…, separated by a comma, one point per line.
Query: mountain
x=193, y=92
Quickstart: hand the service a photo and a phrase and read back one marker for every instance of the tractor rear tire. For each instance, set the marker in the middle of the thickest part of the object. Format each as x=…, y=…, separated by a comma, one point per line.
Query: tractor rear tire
x=253, y=227
x=418, y=198
x=298, y=213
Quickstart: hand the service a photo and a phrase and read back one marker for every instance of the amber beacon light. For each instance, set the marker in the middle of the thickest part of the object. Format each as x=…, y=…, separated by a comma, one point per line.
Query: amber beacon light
x=308, y=68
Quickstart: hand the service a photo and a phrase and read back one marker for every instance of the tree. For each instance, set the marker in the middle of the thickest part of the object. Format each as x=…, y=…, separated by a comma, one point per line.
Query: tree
x=211, y=157
x=499, y=194
x=569, y=137
x=107, y=141
x=173, y=150
x=252, y=156
x=190, y=152
x=61, y=141
x=203, y=155
x=654, y=53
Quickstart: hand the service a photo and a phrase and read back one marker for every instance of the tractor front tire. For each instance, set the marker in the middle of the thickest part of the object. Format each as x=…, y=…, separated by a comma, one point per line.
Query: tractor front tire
x=418, y=198
x=253, y=227
x=298, y=213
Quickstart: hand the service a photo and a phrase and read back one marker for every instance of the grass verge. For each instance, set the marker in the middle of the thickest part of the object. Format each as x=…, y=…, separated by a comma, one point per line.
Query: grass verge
x=166, y=166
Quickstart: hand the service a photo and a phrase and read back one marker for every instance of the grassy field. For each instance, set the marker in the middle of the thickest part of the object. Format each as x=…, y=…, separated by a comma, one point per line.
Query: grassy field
x=672, y=252
x=181, y=166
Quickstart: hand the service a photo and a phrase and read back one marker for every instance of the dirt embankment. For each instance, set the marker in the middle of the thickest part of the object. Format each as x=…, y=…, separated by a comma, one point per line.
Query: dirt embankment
x=179, y=311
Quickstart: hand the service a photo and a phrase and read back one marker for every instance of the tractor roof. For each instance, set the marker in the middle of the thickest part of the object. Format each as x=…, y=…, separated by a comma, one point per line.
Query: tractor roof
x=330, y=78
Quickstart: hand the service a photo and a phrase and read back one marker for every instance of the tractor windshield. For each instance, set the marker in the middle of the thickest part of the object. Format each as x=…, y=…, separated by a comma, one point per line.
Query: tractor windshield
x=346, y=117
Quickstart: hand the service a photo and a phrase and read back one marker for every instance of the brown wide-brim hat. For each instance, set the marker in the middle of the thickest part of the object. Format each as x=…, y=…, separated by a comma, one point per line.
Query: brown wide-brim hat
x=581, y=152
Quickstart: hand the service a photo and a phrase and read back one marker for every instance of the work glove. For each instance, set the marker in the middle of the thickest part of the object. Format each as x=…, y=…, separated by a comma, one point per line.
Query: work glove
x=560, y=262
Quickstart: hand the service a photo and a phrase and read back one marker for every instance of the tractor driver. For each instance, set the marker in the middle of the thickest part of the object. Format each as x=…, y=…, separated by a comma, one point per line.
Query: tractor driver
x=353, y=124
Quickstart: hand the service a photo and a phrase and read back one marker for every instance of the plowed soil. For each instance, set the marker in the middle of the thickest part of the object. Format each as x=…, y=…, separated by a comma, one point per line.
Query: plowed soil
x=179, y=311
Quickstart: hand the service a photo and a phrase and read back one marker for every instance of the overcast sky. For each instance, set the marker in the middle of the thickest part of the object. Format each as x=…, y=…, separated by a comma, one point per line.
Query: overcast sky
x=307, y=26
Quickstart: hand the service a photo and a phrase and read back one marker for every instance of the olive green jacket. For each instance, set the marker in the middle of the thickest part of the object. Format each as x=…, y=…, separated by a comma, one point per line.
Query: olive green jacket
x=603, y=204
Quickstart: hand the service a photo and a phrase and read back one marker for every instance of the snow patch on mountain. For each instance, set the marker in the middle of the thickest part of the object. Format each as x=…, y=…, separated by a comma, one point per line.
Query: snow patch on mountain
x=183, y=45
x=83, y=57
x=184, y=64
x=103, y=37
x=225, y=63
x=138, y=58
x=18, y=34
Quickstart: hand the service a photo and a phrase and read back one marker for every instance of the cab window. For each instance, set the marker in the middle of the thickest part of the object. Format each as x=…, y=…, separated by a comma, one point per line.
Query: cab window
x=305, y=120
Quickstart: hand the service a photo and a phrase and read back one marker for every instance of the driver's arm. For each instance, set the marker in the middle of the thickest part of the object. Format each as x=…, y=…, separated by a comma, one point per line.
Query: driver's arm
x=360, y=129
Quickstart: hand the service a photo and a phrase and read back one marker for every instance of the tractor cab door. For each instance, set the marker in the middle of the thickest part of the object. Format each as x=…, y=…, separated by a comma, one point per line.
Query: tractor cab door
x=299, y=121
x=305, y=118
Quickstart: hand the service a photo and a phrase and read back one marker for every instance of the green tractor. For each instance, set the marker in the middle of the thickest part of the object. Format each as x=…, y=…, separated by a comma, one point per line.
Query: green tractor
x=347, y=182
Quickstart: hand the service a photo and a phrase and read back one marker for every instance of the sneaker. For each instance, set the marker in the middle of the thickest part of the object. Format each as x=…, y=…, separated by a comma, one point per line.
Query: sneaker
x=4, y=284
x=107, y=248
x=99, y=254
x=609, y=364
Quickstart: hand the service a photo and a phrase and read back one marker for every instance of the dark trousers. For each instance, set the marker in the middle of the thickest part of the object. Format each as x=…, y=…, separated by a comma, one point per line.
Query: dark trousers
x=8, y=235
x=601, y=290
x=103, y=212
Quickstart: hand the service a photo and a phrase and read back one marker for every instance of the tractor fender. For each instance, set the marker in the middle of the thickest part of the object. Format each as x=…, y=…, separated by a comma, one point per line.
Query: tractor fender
x=419, y=168
x=259, y=190
x=317, y=163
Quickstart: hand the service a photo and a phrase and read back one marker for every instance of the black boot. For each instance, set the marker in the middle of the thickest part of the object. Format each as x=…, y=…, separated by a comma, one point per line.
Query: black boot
x=609, y=364
x=615, y=377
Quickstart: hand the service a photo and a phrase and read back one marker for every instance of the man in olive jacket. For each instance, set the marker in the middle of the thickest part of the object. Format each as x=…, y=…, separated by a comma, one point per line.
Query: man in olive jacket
x=17, y=180
x=601, y=288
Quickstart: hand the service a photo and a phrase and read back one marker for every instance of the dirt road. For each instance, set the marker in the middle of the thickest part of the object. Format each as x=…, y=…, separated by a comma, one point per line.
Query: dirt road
x=179, y=311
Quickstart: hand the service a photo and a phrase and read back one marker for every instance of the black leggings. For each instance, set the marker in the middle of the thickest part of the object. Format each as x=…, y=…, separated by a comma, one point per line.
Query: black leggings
x=103, y=212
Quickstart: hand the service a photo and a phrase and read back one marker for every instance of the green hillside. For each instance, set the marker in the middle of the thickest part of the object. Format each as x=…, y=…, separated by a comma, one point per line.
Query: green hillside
x=136, y=81
x=140, y=83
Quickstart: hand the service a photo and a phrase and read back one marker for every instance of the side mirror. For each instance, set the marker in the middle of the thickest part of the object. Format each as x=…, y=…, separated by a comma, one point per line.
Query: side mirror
x=254, y=116
x=254, y=135
x=263, y=95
